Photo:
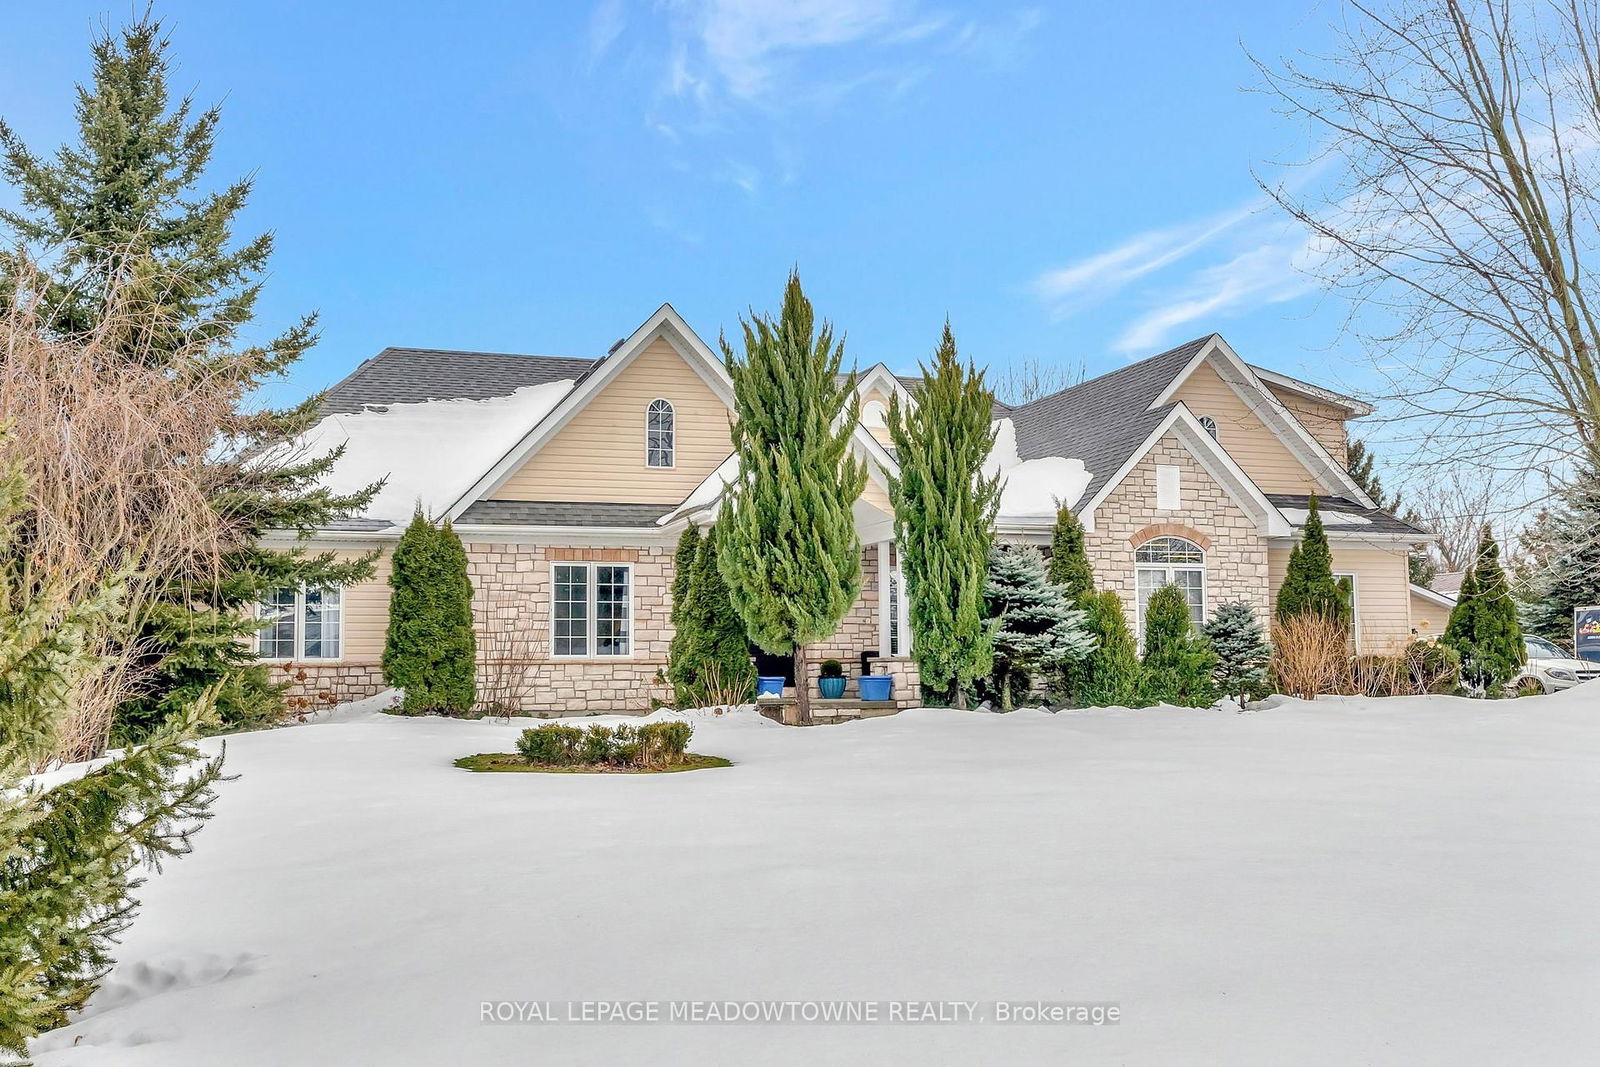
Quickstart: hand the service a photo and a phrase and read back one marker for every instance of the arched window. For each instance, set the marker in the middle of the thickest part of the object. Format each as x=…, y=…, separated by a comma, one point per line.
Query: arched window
x=1171, y=561
x=874, y=414
x=660, y=434
x=1209, y=425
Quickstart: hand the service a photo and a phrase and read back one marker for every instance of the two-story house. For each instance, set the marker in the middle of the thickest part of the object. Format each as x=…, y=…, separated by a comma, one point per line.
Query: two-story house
x=570, y=480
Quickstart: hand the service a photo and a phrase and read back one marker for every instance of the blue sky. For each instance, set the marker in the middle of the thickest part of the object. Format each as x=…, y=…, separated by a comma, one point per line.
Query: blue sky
x=1071, y=183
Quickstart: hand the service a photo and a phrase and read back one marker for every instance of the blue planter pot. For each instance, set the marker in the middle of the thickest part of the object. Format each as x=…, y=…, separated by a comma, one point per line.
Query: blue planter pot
x=769, y=686
x=876, y=686
x=830, y=688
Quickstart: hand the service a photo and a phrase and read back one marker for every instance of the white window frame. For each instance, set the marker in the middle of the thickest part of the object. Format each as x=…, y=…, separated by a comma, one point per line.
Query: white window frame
x=1167, y=569
x=1209, y=425
x=592, y=616
x=671, y=432
x=300, y=629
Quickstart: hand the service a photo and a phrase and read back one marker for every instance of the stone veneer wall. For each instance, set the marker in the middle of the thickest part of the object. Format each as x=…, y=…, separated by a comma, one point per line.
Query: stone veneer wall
x=316, y=686
x=511, y=596
x=1236, y=552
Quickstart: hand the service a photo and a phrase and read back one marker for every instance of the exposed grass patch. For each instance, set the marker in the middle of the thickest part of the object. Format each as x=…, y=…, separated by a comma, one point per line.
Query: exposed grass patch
x=513, y=763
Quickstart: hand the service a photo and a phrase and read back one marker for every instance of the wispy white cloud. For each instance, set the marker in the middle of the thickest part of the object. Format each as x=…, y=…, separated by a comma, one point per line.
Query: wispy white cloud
x=1269, y=273
x=1187, y=274
x=606, y=23
x=1071, y=287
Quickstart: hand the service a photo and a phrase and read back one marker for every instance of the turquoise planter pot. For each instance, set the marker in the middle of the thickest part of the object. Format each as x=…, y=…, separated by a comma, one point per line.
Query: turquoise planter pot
x=876, y=686
x=769, y=686
x=830, y=688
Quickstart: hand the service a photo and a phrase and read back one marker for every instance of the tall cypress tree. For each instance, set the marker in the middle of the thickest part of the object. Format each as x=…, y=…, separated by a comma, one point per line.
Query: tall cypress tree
x=124, y=208
x=1483, y=627
x=1113, y=675
x=1308, y=585
x=789, y=551
x=721, y=670
x=430, y=650
x=679, y=665
x=1178, y=662
x=944, y=511
x=1069, y=559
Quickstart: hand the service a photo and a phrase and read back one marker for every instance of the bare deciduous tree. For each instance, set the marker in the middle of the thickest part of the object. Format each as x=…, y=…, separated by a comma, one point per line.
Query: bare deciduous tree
x=118, y=488
x=1033, y=378
x=1457, y=508
x=1463, y=216
x=510, y=661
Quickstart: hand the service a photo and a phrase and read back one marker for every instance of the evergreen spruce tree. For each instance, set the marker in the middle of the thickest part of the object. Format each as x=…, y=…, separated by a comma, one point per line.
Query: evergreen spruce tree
x=1483, y=627
x=1178, y=661
x=1242, y=651
x=1039, y=631
x=789, y=550
x=1308, y=584
x=431, y=647
x=124, y=206
x=679, y=668
x=1113, y=675
x=1069, y=559
x=70, y=854
x=1560, y=566
x=944, y=521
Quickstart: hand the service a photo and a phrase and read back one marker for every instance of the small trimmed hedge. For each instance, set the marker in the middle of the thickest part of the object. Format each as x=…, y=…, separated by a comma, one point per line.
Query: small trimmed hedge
x=653, y=745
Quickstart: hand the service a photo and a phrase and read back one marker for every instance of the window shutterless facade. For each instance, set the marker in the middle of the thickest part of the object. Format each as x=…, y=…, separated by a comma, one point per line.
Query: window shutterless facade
x=1171, y=561
x=660, y=434
x=591, y=609
x=301, y=624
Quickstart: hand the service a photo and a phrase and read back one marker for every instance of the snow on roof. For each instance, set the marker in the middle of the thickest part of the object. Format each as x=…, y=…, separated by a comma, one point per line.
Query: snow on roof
x=1298, y=516
x=708, y=491
x=430, y=452
x=1033, y=487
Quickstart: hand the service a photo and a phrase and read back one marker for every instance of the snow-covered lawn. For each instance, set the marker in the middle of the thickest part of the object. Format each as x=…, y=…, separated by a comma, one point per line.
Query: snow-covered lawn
x=1404, y=881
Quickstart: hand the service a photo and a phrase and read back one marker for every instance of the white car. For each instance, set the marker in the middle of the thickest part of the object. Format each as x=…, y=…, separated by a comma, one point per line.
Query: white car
x=1553, y=668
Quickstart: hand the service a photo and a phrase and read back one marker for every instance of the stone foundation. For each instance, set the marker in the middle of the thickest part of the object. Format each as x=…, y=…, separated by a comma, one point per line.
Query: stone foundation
x=512, y=607
x=318, y=686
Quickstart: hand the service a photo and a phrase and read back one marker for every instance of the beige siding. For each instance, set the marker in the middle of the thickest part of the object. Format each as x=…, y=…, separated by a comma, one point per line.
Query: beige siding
x=878, y=497
x=599, y=454
x=1262, y=454
x=1429, y=619
x=366, y=615
x=880, y=432
x=1383, y=592
x=1323, y=421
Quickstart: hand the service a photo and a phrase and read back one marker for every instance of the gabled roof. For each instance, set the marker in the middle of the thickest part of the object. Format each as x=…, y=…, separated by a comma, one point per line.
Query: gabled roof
x=415, y=375
x=1104, y=420
x=665, y=324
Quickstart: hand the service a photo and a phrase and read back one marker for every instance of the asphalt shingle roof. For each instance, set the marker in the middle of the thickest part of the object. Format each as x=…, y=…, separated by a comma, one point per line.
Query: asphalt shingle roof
x=560, y=513
x=1104, y=420
x=414, y=375
x=1378, y=521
